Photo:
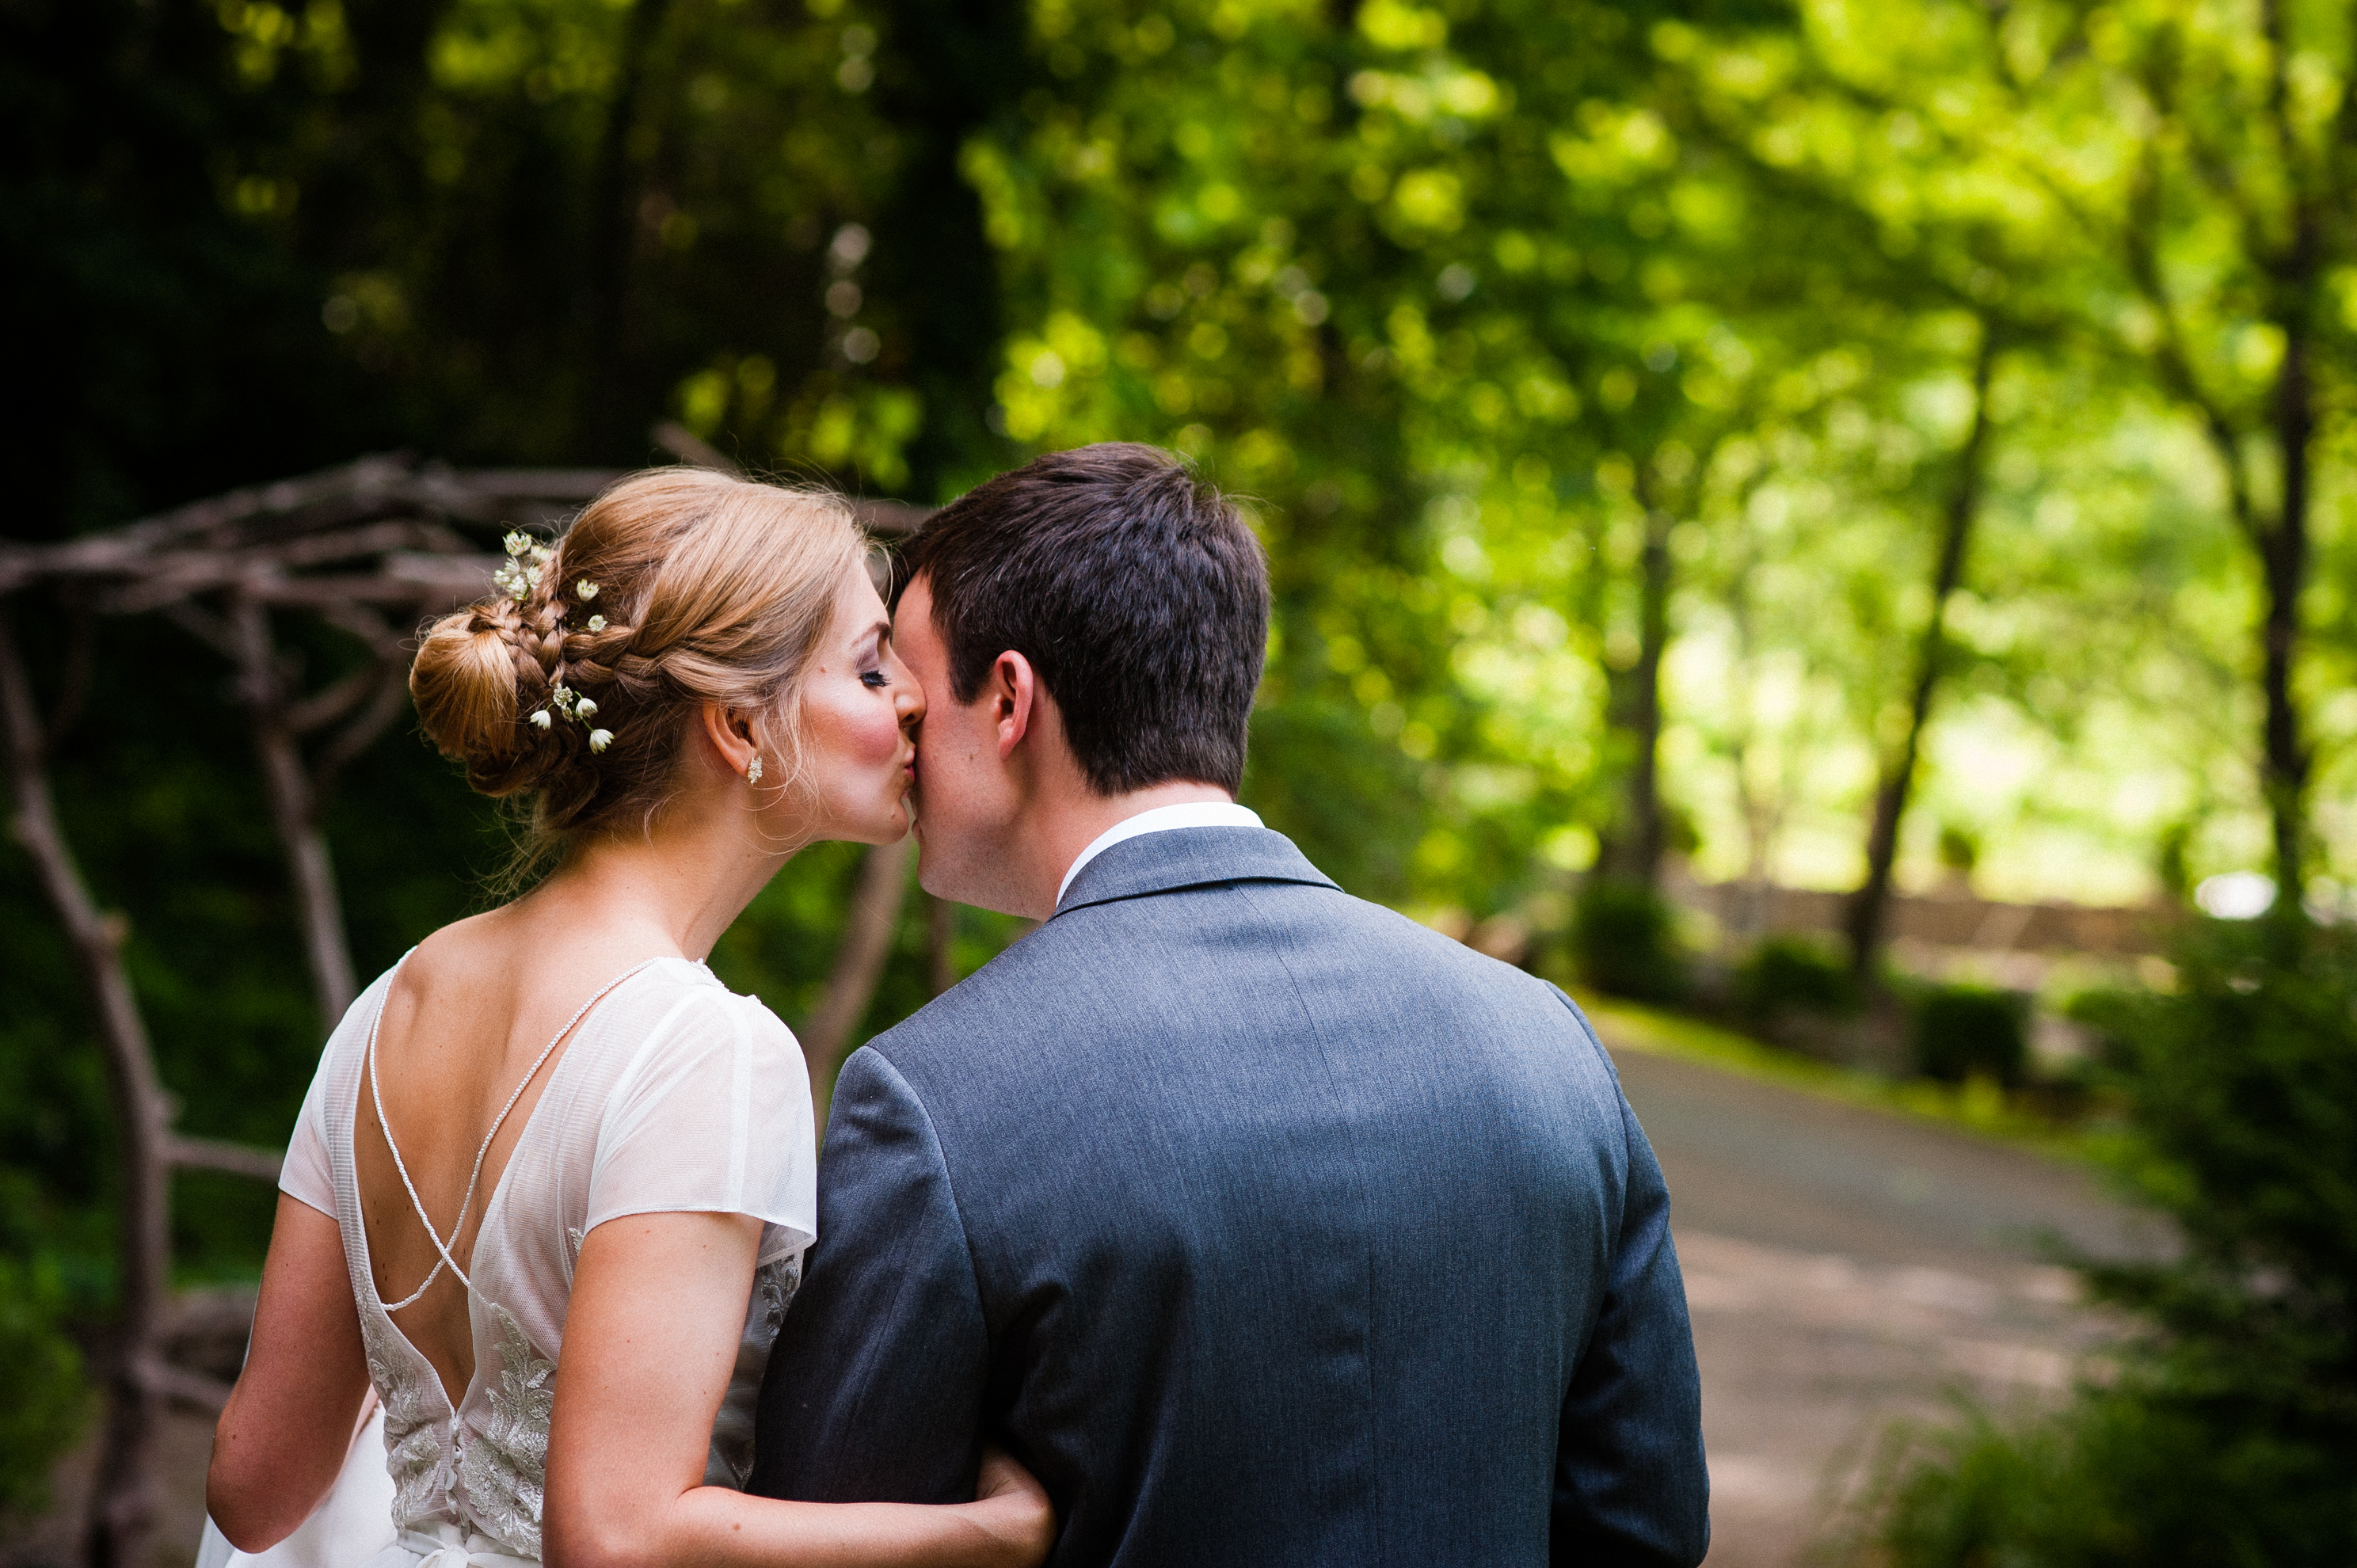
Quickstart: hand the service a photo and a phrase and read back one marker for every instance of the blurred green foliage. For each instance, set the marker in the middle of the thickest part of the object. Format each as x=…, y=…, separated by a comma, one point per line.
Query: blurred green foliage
x=2230, y=1433
x=1788, y=977
x=1956, y=1032
x=1624, y=941
x=47, y=1398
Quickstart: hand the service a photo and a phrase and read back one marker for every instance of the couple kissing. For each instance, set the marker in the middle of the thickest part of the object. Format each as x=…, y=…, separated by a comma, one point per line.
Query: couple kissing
x=1224, y=1220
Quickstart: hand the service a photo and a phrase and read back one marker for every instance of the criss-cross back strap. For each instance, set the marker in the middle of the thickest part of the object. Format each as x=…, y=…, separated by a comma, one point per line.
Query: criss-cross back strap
x=376, y=1091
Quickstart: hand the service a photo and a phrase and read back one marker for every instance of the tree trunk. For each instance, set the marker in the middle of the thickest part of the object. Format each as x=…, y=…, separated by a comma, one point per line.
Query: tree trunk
x=858, y=964
x=1870, y=903
x=123, y=1503
x=606, y=415
x=1633, y=853
x=951, y=70
x=2284, y=559
x=293, y=811
x=1762, y=812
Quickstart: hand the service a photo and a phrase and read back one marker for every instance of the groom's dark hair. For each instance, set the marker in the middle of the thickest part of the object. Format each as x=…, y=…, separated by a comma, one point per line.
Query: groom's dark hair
x=1135, y=591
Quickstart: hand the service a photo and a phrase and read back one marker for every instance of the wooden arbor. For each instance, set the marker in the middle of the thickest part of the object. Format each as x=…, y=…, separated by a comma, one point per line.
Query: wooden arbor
x=369, y=548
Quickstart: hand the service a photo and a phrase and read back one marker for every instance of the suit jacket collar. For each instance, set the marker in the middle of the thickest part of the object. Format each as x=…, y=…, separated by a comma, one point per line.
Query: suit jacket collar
x=1188, y=857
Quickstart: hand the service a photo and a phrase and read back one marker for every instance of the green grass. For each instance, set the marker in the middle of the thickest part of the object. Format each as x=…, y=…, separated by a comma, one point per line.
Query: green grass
x=1977, y=1106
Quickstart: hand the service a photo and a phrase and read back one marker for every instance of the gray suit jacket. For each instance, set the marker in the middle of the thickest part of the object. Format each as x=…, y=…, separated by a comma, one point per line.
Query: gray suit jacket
x=1266, y=1227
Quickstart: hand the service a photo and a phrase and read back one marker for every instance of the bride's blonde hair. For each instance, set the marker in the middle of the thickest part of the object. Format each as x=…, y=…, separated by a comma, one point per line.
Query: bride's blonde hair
x=705, y=589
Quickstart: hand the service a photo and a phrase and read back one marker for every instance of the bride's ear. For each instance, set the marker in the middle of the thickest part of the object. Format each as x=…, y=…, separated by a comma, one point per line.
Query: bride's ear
x=726, y=736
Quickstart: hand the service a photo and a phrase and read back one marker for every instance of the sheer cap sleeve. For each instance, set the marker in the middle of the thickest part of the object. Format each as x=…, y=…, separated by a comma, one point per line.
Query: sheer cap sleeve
x=306, y=1176
x=712, y=1115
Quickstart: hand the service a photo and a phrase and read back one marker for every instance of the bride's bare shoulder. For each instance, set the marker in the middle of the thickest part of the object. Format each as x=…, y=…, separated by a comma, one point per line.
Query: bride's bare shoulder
x=460, y=960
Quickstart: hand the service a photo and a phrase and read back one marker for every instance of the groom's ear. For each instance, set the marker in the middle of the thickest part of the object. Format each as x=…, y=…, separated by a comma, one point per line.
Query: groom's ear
x=1013, y=690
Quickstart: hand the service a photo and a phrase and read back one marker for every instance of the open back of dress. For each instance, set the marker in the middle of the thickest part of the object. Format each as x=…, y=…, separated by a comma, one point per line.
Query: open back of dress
x=674, y=1095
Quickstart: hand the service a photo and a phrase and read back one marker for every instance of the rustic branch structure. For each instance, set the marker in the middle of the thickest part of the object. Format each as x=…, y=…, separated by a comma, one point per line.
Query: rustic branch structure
x=860, y=960
x=370, y=549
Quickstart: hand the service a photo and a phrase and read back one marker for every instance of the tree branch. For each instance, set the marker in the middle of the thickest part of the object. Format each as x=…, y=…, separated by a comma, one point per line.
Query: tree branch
x=230, y=1159
x=123, y=1506
x=689, y=448
x=294, y=811
x=858, y=965
x=332, y=702
x=390, y=699
x=178, y=1386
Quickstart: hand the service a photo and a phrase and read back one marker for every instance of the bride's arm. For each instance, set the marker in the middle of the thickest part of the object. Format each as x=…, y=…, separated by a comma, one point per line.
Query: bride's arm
x=289, y=1423
x=651, y=1338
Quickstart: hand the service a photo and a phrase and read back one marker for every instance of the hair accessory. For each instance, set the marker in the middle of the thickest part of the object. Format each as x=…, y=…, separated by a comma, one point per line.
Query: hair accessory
x=596, y=623
x=512, y=577
x=564, y=701
x=584, y=590
x=753, y=769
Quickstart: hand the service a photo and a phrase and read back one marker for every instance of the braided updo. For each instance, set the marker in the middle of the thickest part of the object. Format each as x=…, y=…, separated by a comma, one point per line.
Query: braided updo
x=707, y=589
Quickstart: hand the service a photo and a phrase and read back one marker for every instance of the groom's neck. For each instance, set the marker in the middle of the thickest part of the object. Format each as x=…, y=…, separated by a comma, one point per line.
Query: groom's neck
x=1064, y=828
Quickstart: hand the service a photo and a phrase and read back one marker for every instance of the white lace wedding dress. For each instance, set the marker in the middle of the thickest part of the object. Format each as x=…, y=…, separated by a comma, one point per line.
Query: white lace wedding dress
x=675, y=1094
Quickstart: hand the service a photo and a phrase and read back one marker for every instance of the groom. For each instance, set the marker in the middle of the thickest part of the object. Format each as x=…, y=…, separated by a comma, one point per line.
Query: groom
x=1265, y=1226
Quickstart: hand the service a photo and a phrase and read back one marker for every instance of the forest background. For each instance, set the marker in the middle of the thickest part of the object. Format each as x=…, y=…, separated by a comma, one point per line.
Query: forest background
x=1678, y=431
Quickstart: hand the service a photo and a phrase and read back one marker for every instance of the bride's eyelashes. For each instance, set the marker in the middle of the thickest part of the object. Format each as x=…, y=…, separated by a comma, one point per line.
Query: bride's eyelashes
x=874, y=680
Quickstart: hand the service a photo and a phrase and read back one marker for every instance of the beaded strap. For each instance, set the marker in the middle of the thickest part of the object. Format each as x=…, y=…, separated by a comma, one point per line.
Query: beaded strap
x=376, y=1093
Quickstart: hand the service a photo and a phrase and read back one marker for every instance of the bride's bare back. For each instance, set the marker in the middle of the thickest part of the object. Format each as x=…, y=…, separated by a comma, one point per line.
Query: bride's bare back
x=468, y=1014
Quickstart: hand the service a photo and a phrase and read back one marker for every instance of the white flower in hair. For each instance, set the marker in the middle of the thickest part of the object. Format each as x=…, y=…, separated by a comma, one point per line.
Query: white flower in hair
x=514, y=578
x=566, y=702
x=596, y=623
x=585, y=589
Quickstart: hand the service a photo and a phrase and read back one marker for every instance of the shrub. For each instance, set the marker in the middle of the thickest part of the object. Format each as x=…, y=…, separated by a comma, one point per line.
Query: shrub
x=1624, y=941
x=2231, y=1434
x=2126, y=1478
x=1964, y=1031
x=2113, y=1016
x=1792, y=975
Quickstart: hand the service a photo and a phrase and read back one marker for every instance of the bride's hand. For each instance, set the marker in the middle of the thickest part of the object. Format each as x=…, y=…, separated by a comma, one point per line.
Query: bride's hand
x=1011, y=1504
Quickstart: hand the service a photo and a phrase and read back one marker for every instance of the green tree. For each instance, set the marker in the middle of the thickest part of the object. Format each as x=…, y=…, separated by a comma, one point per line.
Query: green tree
x=2169, y=180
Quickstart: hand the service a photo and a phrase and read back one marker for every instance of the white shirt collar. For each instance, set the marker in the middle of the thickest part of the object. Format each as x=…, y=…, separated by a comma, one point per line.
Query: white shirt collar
x=1191, y=814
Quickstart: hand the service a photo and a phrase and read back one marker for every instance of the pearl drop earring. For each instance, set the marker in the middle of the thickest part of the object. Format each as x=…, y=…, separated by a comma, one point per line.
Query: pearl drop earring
x=753, y=769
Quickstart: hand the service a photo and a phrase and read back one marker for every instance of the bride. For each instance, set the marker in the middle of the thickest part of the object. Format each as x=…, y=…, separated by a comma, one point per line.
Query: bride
x=550, y=1191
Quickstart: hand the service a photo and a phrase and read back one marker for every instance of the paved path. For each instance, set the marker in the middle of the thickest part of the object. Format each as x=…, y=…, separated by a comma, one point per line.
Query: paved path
x=1847, y=1267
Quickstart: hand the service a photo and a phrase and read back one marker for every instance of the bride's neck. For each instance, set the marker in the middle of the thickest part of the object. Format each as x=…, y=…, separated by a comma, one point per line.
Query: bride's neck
x=675, y=887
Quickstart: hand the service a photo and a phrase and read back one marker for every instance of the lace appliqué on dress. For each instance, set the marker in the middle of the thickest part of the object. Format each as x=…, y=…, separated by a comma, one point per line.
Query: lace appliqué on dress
x=774, y=1284
x=730, y=1461
x=414, y=1455
x=505, y=1464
